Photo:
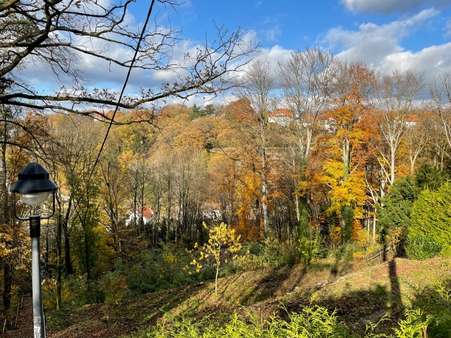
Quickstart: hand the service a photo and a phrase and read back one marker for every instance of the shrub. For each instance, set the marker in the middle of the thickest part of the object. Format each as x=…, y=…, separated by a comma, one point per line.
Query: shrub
x=115, y=288
x=161, y=268
x=422, y=247
x=429, y=233
x=309, y=247
x=311, y=322
x=222, y=244
x=414, y=325
x=435, y=302
x=429, y=177
x=397, y=206
x=272, y=253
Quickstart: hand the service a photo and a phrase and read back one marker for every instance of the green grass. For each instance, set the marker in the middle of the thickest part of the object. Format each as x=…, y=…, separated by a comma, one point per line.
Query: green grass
x=357, y=298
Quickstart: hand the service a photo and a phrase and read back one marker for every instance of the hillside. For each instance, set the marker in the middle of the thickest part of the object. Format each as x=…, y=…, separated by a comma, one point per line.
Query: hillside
x=358, y=296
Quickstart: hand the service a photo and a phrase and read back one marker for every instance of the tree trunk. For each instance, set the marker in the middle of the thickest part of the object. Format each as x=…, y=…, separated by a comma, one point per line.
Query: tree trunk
x=374, y=227
x=392, y=165
x=216, y=279
x=58, y=260
x=7, y=284
x=69, y=270
x=7, y=268
x=264, y=185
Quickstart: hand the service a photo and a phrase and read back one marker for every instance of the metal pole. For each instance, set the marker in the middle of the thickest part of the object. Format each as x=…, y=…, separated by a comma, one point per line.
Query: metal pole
x=38, y=318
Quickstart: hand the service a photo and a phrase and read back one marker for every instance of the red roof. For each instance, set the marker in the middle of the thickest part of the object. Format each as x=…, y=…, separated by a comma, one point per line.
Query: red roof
x=281, y=112
x=148, y=213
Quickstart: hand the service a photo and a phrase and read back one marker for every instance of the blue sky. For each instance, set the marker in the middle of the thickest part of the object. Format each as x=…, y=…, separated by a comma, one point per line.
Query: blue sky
x=387, y=35
x=297, y=24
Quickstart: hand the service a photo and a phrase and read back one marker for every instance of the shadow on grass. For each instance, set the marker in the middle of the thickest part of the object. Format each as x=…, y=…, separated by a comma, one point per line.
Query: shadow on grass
x=275, y=282
x=356, y=308
x=396, y=306
x=114, y=320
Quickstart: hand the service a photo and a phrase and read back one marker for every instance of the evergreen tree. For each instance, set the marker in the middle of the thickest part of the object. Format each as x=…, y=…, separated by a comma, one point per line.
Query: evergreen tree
x=429, y=231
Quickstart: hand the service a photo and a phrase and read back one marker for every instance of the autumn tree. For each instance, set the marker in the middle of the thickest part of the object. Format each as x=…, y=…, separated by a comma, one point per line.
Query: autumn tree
x=343, y=169
x=222, y=244
x=258, y=87
x=306, y=78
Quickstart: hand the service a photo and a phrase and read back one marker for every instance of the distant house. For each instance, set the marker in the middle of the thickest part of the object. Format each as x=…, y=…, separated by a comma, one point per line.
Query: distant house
x=281, y=116
x=284, y=116
x=212, y=214
x=147, y=216
x=411, y=124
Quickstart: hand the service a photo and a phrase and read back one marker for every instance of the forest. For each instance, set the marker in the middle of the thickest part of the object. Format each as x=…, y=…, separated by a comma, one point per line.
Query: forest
x=312, y=202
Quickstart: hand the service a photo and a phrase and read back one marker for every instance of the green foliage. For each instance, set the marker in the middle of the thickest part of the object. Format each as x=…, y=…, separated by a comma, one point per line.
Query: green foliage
x=348, y=217
x=311, y=322
x=422, y=246
x=149, y=271
x=161, y=269
x=271, y=253
x=429, y=177
x=429, y=233
x=309, y=244
x=197, y=111
x=397, y=204
x=115, y=285
x=73, y=292
x=436, y=303
x=414, y=325
x=396, y=210
x=342, y=257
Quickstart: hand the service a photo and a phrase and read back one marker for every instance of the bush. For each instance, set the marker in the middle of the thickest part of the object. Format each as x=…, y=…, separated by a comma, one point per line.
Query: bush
x=272, y=253
x=115, y=287
x=429, y=177
x=73, y=292
x=311, y=322
x=429, y=233
x=435, y=302
x=395, y=214
x=422, y=247
x=163, y=268
x=414, y=325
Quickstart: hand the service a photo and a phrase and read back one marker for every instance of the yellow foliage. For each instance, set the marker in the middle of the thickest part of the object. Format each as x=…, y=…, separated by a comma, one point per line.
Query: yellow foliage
x=336, y=235
x=247, y=191
x=222, y=243
x=358, y=234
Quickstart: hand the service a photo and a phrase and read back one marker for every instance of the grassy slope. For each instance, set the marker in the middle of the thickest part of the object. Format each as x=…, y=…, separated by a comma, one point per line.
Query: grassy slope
x=358, y=296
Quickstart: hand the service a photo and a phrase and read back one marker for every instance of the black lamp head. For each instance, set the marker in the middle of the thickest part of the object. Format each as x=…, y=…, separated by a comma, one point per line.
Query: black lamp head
x=33, y=179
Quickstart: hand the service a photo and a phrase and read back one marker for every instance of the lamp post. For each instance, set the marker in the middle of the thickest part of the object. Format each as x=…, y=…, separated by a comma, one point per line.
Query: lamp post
x=34, y=187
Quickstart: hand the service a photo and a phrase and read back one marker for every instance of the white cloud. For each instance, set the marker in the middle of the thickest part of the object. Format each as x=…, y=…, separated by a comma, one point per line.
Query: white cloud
x=96, y=72
x=429, y=62
x=371, y=43
x=272, y=57
x=380, y=47
x=390, y=6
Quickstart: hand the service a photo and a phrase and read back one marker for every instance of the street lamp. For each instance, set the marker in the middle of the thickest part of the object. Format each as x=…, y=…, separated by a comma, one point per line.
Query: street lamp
x=34, y=187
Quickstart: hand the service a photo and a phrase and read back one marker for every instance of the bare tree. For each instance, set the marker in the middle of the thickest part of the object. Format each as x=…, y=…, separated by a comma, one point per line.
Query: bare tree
x=441, y=95
x=396, y=95
x=306, y=78
x=57, y=33
x=417, y=137
x=258, y=86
